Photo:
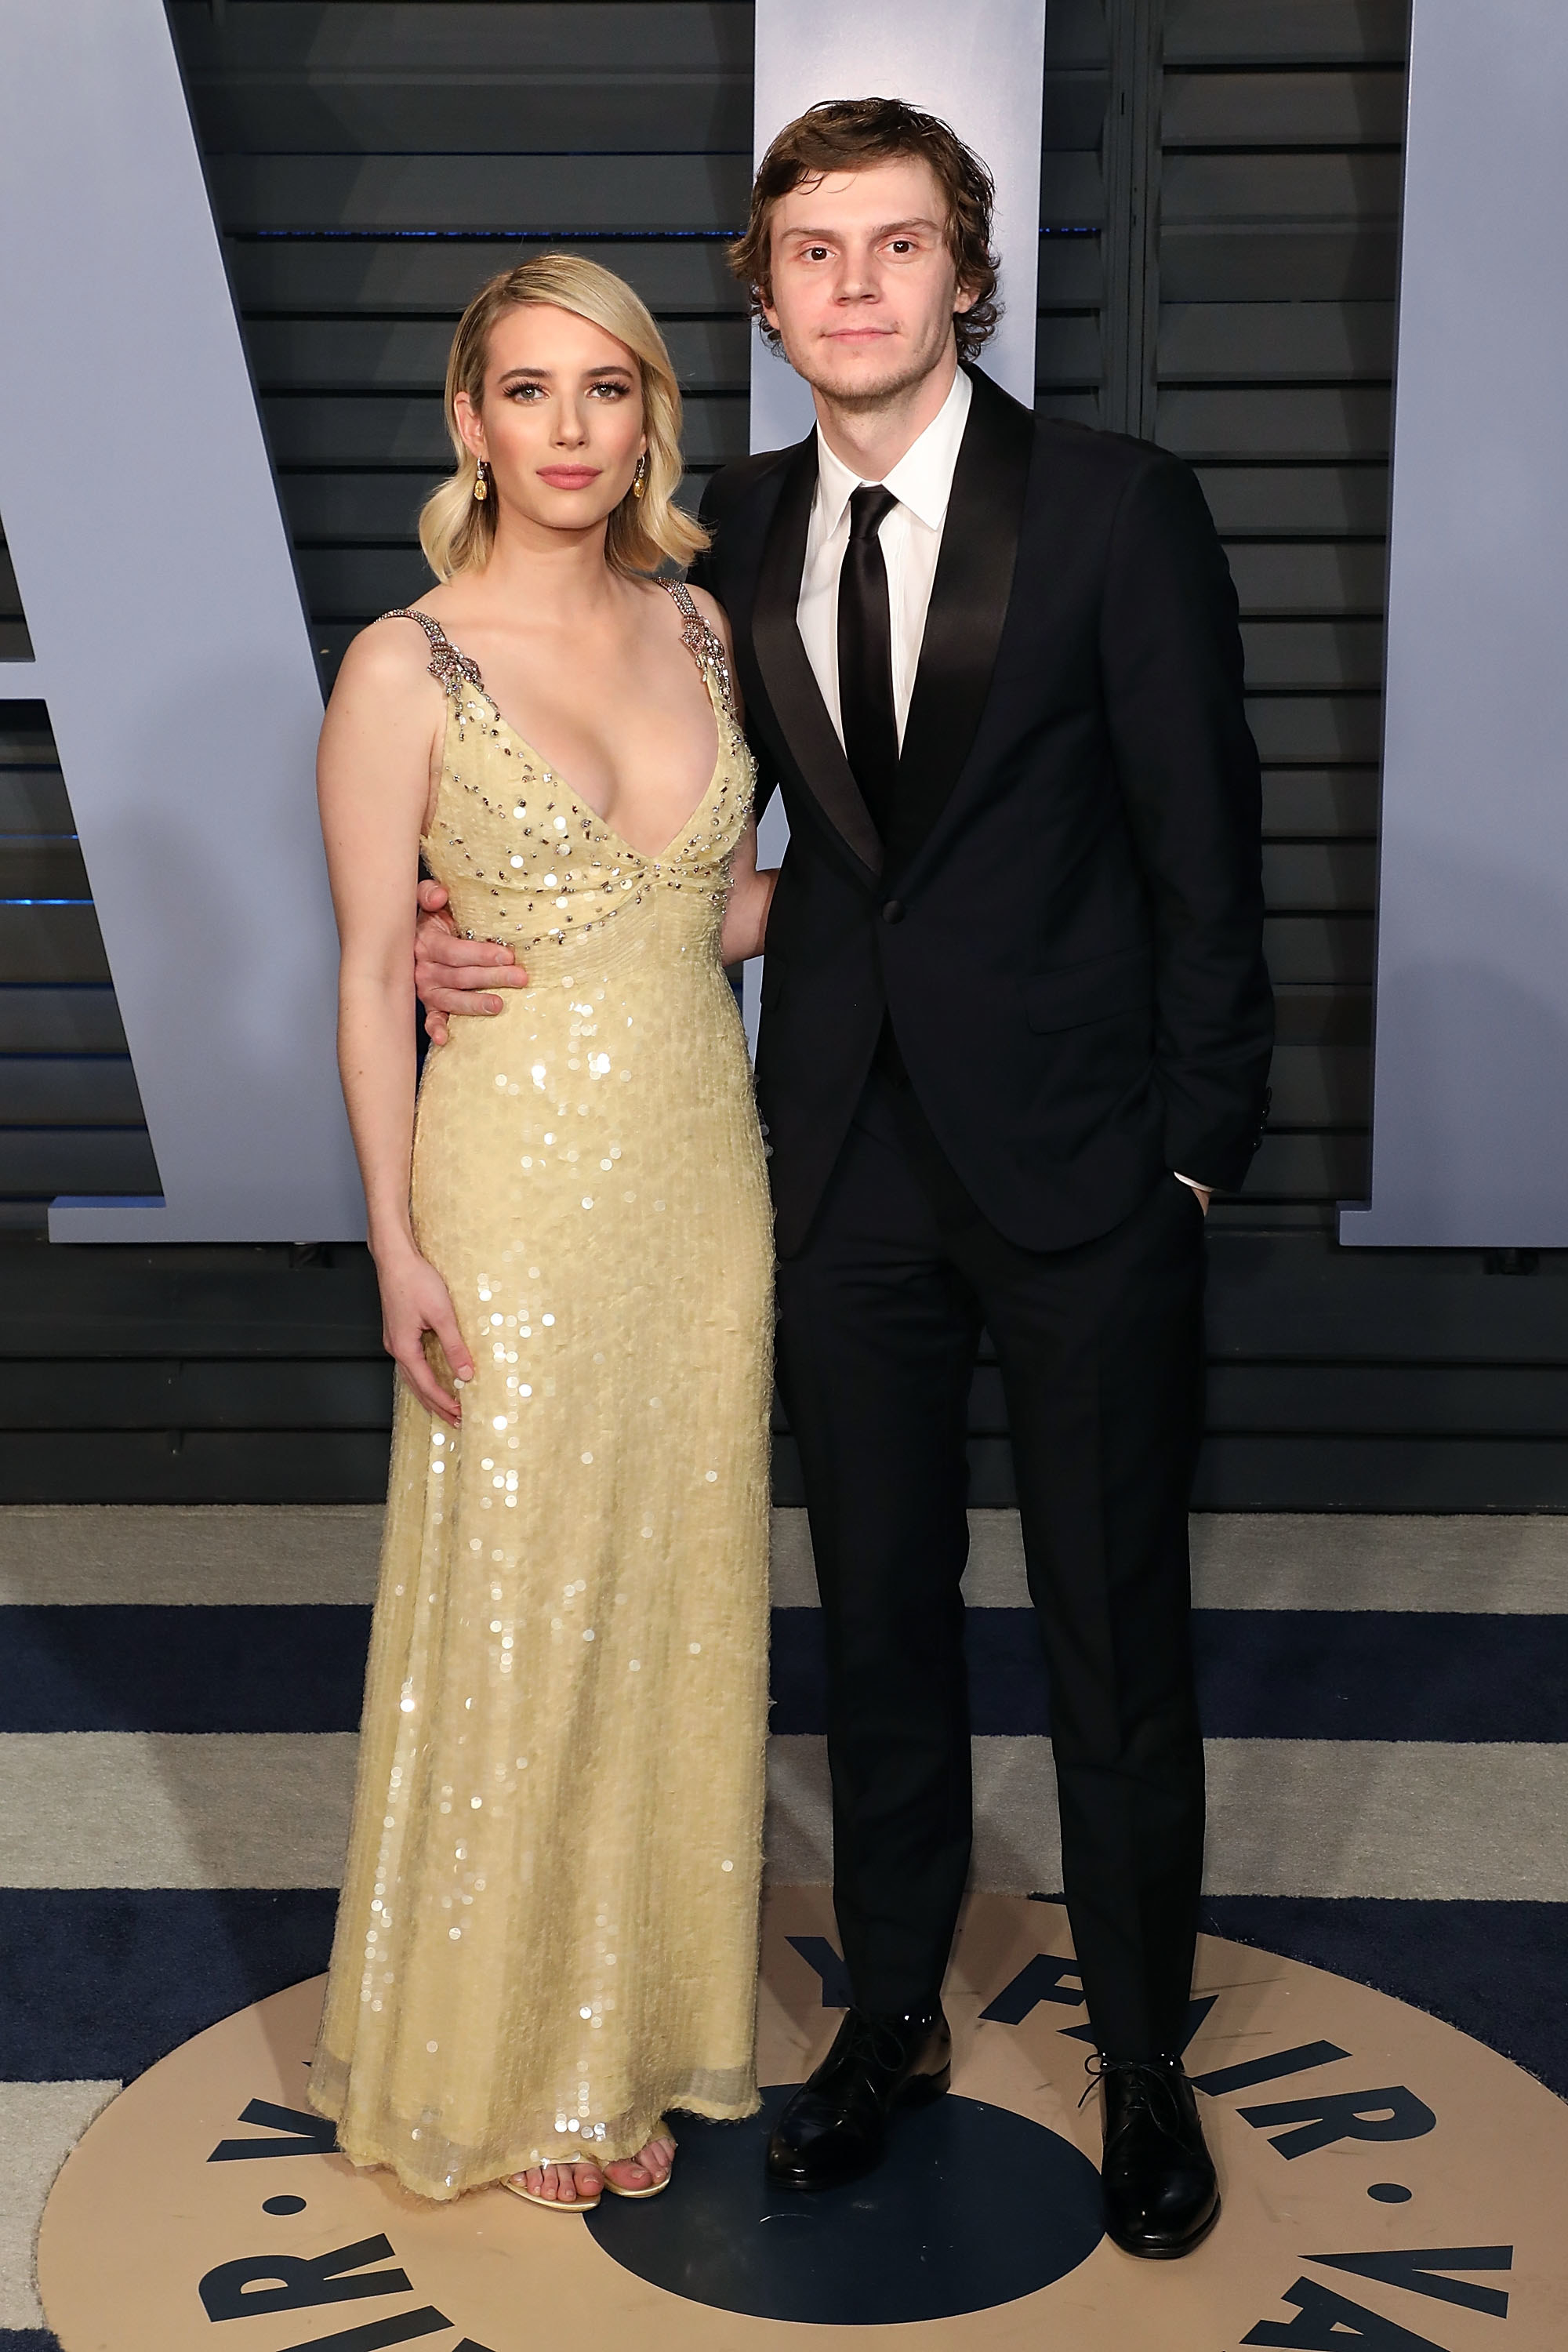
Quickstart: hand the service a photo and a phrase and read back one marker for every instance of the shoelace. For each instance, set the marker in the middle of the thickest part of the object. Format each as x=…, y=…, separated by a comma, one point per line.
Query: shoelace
x=1151, y=2078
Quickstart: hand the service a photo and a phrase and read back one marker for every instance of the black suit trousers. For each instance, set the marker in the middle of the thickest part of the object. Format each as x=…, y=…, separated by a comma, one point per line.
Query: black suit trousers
x=1101, y=1349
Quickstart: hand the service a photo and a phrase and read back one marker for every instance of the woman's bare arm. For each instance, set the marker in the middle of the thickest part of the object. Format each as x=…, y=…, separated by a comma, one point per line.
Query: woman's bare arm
x=373, y=782
x=751, y=892
x=746, y=908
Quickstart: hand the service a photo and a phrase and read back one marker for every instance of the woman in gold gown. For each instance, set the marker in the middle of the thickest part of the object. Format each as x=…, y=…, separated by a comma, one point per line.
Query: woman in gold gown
x=547, y=1935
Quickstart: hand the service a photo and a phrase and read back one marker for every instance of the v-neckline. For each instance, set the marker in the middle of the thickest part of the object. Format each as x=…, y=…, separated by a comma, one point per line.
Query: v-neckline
x=471, y=671
x=552, y=775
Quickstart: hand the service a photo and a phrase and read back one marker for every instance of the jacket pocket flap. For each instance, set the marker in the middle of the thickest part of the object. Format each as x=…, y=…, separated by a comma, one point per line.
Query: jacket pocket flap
x=1090, y=991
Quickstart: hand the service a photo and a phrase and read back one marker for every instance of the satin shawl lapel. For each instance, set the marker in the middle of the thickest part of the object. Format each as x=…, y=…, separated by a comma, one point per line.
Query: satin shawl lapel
x=968, y=607
x=793, y=693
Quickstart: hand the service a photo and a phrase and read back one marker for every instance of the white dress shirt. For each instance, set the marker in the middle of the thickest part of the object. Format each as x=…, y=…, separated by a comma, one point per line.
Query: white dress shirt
x=910, y=540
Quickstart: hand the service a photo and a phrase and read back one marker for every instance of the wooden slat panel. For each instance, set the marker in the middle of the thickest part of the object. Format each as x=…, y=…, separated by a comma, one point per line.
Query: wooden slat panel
x=1328, y=654
x=1073, y=113
x=1322, y=1016
x=1306, y=1300
x=1285, y=32
x=1315, y=729
x=168, y=1395
x=401, y=430
x=518, y=109
x=1238, y=262
x=358, y=583
x=306, y=1465
x=1303, y=576
x=364, y=41
x=1301, y=800
x=1350, y=108
x=1280, y=187
x=38, y=1089
x=1381, y=1473
x=547, y=195
x=379, y=355
x=1071, y=271
x=302, y=276
x=36, y=1162
x=45, y=943
x=1320, y=949
x=1352, y=421
x=1075, y=34
x=35, y=865
x=1406, y=1400
x=366, y=507
x=32, y=800
x=1276, y=343
x=59, y=1020
x=1070, y=407
x=207, y=1303
x=1321, y=1085
x=1321, y=877
x=25, y=737
x=1067, y=351
x=1320, y=501
x=1072, y=192
x=1308, y=1167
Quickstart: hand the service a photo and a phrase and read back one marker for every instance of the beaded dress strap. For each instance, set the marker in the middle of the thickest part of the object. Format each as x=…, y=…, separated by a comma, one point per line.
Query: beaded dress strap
x=707, y=648
x=451, y=668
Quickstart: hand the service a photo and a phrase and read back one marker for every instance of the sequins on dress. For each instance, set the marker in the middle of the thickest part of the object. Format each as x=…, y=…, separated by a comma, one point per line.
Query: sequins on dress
x=547, y=1934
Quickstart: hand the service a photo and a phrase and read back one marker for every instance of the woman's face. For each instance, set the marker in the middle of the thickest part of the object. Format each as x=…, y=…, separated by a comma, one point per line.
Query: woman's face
x=562, y=422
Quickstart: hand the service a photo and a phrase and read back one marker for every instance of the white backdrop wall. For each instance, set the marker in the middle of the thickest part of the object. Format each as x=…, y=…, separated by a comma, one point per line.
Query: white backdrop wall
x=170, y=644
x=1470, y=1089
x=982, y=71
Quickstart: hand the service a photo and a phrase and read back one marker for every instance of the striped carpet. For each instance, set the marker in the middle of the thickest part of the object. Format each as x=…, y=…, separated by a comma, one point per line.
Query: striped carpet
x=1387, y=1701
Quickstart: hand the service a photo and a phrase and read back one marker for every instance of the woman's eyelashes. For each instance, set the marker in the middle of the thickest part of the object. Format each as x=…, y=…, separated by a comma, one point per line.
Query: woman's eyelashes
x=530, y=395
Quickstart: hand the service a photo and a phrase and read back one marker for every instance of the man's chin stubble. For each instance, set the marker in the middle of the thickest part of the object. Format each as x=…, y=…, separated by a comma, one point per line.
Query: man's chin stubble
x=858, y=396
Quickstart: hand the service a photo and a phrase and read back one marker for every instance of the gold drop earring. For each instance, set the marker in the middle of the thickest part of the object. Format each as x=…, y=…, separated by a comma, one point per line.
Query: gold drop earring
x=481, y=481
x=639, y=480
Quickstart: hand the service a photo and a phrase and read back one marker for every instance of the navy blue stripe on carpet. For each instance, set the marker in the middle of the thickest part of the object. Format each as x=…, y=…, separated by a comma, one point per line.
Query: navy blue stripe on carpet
x=1496, y=1970
x=1263, y=1674
x=98, y=1983
x=1272, y=1673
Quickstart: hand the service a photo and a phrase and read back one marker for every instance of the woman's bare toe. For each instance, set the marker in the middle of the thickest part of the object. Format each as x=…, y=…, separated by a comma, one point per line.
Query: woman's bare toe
x=647, y=2168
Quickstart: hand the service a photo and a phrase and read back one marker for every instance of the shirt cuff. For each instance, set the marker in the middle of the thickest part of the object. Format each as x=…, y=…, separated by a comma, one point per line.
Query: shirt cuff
x=1191, y=1181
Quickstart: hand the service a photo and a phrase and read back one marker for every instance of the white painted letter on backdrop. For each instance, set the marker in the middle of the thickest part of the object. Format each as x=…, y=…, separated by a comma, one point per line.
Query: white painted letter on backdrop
x=170, y=646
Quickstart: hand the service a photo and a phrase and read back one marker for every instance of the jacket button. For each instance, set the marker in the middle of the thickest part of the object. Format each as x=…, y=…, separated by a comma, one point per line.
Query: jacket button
x=892, y=911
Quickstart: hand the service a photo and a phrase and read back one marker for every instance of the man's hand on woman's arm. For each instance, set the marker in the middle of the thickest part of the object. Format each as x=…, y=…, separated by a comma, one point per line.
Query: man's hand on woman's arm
x=450, y=975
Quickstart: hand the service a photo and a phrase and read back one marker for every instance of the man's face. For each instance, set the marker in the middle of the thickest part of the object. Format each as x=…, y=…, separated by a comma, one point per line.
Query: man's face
x=864, y=287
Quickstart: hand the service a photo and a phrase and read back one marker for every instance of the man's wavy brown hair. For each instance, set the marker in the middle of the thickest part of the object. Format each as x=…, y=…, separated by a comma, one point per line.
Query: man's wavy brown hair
x=847, y=134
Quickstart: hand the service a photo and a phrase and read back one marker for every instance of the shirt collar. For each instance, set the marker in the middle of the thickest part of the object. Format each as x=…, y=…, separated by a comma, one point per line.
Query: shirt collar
x=922, y=479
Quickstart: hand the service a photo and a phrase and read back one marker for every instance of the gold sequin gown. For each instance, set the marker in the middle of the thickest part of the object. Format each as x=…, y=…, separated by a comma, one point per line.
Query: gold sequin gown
x=548, y=1930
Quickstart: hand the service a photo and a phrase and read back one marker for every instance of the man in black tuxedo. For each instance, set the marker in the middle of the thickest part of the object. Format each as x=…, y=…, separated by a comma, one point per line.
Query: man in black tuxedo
x=1016, y=1025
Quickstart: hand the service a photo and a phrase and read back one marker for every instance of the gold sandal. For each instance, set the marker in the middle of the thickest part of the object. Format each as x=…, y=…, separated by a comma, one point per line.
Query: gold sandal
x=558, y=2204
x=658, y=2187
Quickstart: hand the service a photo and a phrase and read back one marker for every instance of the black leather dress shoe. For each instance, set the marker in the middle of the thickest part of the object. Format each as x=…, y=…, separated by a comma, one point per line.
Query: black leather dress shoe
x=1161, y=2195
x=835, y=2126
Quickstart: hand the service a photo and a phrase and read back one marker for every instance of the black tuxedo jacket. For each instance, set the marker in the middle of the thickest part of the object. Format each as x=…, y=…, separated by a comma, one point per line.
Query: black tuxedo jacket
x=1065, y=924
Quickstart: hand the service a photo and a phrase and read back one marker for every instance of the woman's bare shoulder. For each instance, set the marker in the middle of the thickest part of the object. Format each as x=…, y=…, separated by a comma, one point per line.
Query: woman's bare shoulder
x=392, y=656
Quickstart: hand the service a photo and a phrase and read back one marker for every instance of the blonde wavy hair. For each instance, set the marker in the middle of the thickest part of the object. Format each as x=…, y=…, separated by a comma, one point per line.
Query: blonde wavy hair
x=457, y=531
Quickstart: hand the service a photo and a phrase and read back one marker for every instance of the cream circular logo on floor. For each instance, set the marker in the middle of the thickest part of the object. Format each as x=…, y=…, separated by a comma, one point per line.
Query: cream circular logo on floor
x=1388, y=2183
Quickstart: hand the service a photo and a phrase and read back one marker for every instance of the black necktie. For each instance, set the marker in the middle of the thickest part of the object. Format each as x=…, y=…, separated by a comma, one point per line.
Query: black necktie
x=865, y=656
